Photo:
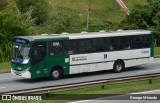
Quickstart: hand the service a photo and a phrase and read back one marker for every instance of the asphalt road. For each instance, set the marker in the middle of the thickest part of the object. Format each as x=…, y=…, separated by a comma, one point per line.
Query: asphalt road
x=9, y=82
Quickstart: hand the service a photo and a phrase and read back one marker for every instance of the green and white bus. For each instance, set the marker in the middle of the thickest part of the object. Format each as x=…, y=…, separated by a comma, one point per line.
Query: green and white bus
x=63, y=54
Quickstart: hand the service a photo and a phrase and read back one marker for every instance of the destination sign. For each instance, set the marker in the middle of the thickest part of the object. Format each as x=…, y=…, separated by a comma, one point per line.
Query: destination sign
x=18, y=40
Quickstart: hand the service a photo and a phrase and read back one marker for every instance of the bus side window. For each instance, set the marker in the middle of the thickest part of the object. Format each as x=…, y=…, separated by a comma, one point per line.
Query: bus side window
x=81, y=45
x=148, y=41
x=125, y=43
x=65, y=47
x=107, y=44
x=114, y=43
x=73, y=48
x=134, y=42
x=94, y=45
x=101, y=45
x=141, y=41
x=88, y=46
x=111, y=48
x=55, y=48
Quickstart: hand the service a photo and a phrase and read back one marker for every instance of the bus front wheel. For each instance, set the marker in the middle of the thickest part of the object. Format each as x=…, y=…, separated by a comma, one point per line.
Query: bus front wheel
x=118, y=66
x=56, y=73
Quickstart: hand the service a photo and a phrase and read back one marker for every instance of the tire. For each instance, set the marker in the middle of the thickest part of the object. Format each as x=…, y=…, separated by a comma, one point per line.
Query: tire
x=118, y=66
x=56, y=74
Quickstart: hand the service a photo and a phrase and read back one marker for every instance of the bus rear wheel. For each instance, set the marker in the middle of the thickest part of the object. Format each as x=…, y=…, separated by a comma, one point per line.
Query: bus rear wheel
x=118, y=66
x=56, y=74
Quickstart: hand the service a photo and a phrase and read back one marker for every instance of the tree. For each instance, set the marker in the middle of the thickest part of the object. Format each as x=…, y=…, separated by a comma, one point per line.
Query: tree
x=65, y=21
x=139, y=18
x=10, y=26
x=144, y=17
x=41, y=9
x=3, y=4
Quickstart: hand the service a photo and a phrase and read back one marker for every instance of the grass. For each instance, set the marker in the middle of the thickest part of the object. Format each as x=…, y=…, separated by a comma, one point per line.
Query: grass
x=4, y=67
x=157, y=51
x=100, y=9
x=124, y=88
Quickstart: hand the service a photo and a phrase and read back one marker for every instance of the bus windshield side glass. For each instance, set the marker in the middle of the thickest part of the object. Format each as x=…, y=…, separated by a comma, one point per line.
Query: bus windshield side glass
x=21, y=54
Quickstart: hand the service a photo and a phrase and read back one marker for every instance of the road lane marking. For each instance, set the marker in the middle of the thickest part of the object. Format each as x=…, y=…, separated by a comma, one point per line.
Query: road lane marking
x=146, y=92
x=81, y=101
x=9, y=78
x=2, y=87
x=148, y=71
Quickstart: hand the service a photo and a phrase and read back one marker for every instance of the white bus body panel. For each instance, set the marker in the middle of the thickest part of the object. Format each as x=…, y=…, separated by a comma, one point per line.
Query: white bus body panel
x=105, y=60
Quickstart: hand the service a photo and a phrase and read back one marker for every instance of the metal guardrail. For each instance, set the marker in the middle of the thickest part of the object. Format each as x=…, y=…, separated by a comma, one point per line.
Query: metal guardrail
x=102, y=83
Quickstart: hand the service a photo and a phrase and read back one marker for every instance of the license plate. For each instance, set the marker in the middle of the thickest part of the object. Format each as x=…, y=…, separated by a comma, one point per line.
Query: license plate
x=17, y=73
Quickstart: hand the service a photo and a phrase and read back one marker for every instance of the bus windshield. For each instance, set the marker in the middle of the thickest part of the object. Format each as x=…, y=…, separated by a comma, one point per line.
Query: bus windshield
x=21, y=54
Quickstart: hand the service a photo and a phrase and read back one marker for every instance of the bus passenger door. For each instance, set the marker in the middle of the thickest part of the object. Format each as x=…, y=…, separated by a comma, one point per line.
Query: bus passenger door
x=38, y=60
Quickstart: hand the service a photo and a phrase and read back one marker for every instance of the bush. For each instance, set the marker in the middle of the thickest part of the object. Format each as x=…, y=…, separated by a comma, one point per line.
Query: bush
x=5, y=52
x=41, y=9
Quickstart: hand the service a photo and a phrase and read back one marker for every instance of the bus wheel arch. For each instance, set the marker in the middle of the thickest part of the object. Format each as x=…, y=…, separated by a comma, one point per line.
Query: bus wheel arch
x=118, y=65
x=56, y=73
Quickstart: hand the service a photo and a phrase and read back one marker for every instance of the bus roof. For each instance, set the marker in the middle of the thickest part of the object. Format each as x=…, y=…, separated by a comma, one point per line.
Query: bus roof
x=85, y=35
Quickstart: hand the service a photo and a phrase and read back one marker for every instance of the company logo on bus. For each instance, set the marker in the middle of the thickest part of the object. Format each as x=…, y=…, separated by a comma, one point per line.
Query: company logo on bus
x=80, y=58
x=145, y=52
x=73, y=59
x=56, y=44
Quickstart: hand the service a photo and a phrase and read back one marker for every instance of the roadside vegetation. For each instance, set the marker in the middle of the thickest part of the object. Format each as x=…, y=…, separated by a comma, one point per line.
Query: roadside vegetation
x=5, y=67
x=157, y=51
x=123, y=88
x=131, y=3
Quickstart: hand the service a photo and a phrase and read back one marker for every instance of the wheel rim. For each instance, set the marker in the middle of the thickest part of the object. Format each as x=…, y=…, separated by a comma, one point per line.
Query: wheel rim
x=118, y=67
x=55, y=74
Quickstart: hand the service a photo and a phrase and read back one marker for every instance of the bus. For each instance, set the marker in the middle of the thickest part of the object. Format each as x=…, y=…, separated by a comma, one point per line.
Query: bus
x=56, y=55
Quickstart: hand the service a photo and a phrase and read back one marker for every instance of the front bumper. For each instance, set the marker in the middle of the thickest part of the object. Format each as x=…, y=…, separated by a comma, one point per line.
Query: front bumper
x=25, y=74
